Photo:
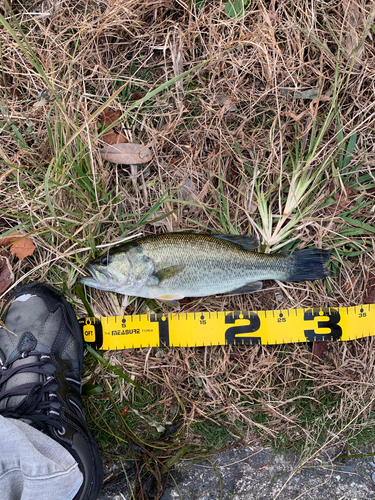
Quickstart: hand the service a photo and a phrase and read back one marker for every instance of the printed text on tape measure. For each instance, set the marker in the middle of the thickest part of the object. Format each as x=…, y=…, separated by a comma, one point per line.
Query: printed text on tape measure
x=220, y=328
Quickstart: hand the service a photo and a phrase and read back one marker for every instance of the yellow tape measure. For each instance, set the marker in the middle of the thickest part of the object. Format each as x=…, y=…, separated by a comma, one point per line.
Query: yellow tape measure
x=235, y=327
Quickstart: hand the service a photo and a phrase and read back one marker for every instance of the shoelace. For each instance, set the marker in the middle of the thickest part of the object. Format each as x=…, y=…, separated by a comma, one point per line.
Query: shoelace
x=36, y=406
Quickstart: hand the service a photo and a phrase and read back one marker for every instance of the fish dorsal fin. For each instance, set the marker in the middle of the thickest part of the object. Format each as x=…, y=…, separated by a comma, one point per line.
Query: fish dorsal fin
x=167, y=273
x=252, y=287
x=244, y=242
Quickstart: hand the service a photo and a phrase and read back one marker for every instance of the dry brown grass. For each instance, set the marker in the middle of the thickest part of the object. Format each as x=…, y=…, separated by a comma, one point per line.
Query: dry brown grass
x=226, y=131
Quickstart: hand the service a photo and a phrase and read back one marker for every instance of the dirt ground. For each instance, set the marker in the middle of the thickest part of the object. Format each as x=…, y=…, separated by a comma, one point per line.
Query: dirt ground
x=258, y=473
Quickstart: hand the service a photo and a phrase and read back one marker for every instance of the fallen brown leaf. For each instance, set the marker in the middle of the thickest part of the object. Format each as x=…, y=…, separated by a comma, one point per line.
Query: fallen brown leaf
x=137, y=95
x=126, y=153
x=111, y=137
x=235, y=355
x=108, y=117
x=343, y=200
x=188, y=191
x=226, y=102
x=352, y=17
x=349, y=286
x=48, y=8
x=349, y=193
x=19, y=244
x=319, y=346
x=370, y=288
x=6, y=274
x=41, y=103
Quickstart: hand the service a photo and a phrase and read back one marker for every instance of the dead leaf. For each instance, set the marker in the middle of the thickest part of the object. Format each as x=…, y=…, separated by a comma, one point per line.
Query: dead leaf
x=188, y=191
x=113, y=137
x=350, y=193
x=48, y=8
x=235, y=355
x=19, y=244
x=343, y=200
x=41, y=103
x=137, y=95
x=107, y=118
x=226, y=102
x=319, y=346
x=370, y=288
x=349, y=286
x=6, y=274
x=313, y=93
x=126, y=153
x=352, y=15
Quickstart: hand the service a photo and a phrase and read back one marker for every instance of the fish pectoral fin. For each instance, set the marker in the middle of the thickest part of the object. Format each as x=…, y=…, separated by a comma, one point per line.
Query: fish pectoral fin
x=167, y=273
x=244, y=242
x=252, y=287
x=153, y=280
x=171, y=298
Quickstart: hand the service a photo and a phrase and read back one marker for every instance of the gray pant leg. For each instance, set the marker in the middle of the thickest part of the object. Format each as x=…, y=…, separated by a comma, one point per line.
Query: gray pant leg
x=33, y=465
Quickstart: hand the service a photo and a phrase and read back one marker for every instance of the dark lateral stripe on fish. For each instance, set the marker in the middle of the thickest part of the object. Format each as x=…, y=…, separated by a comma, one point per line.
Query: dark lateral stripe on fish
x=308, y=265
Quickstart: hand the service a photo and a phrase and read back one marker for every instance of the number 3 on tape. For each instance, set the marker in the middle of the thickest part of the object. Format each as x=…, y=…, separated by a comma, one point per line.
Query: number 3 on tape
x=328, y=319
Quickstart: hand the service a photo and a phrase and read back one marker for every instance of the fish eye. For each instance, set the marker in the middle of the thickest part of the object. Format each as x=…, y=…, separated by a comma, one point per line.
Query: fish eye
x=105, y=260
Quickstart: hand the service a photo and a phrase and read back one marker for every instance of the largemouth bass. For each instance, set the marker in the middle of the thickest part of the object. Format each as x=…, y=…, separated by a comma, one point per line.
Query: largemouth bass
x=176, y=265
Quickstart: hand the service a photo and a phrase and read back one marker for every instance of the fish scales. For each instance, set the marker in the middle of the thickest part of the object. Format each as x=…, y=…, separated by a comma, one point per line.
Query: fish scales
x=176, y=265
x=209, y=265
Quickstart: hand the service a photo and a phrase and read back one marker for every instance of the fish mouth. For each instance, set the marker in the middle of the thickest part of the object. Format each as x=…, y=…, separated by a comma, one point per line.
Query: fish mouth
x=96, y=280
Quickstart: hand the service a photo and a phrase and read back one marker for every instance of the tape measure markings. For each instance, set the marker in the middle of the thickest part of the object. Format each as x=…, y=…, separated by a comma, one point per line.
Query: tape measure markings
x=231, y=327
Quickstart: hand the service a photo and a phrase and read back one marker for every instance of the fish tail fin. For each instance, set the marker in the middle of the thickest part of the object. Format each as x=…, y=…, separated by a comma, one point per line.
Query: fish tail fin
x=308, y=265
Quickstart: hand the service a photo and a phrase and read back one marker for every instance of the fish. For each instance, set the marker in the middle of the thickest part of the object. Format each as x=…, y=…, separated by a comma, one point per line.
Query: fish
x=175, y=265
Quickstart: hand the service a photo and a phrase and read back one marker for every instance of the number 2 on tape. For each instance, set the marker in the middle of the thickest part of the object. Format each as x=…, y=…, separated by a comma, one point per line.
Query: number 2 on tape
x=240, y=334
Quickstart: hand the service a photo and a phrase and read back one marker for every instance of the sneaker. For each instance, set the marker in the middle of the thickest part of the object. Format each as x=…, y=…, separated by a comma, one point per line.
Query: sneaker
x=41, y=353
